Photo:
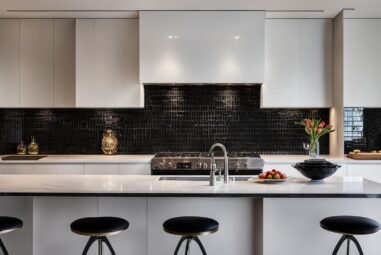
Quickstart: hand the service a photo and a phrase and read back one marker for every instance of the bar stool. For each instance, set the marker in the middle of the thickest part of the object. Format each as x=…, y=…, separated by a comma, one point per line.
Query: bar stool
x=349, y=226
x=98, y=228
x=8, y=224
x=190, y=227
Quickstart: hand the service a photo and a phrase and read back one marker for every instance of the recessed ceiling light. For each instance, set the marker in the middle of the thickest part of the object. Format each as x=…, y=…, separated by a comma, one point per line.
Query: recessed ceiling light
x=237, y=37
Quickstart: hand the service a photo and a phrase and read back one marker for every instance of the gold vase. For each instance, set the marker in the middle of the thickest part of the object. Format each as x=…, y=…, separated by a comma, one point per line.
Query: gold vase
x=33, y=147
x=109, y=143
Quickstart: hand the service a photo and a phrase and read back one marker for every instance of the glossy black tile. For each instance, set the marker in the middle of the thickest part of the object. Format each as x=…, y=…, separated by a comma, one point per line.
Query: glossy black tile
x=175, y=118
x=362, y=129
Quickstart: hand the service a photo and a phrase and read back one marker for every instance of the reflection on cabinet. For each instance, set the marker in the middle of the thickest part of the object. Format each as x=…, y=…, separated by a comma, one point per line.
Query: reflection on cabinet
x=201, y=47
x=298, y=63
x=362, y=61
x=109, y=169
x=369, y=171
x=36, y=62
x=107, y=62
x=9, y=62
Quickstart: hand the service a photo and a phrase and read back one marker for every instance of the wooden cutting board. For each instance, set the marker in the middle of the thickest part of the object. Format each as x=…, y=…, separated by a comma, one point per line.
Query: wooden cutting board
x=365, y=156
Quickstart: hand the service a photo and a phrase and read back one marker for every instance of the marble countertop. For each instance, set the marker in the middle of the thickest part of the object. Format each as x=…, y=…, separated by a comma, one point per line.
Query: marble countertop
x=115, y=159
x=83, y=159
x=151, y=186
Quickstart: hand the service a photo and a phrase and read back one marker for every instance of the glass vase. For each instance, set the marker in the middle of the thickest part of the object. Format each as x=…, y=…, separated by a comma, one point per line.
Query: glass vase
x=314, y=149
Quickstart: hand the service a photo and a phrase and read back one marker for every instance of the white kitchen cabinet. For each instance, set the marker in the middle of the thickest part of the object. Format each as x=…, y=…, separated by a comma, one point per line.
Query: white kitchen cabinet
x=281, y=87
x=9, y=62
x=316, y=51
x=108, y=169
x=201, y=47
x=362, y=61
x=64, y=63
x=36, y=168
x=298, y=63
x=107, y=63
x=135, y=169
x=369, y=171
x=36, y=63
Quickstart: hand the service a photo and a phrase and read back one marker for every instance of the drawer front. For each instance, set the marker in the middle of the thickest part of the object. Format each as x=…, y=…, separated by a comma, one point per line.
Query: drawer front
x=135, y=169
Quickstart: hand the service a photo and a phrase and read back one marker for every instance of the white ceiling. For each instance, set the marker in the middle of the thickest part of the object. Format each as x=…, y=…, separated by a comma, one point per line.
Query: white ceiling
x=129, y=8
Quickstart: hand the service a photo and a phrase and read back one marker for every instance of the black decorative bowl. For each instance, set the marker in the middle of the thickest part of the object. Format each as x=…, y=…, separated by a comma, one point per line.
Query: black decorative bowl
x=316, y=169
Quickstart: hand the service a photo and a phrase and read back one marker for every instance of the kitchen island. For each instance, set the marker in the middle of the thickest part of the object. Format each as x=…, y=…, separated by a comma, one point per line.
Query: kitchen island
x=253, y=217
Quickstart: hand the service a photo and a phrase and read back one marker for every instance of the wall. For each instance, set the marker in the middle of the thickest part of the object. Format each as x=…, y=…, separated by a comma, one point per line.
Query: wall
x=175, y=118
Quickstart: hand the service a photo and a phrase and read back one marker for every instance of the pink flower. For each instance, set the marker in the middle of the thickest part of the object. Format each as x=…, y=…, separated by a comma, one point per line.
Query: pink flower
x=329, y=126
x=322, y=124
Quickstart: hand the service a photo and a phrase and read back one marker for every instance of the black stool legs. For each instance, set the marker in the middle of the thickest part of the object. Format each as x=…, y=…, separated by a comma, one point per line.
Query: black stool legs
x=2, y=246
x=348, y=238
x=188, y=240
x=101, y=240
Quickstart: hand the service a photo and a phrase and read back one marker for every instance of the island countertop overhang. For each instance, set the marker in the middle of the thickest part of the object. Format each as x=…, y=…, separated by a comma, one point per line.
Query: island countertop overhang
x=151, y=186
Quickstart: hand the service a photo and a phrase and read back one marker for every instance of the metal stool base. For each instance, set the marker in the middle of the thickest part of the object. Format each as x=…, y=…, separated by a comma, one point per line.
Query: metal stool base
x=2, y=246
x=188, y=240
x=101, y=240
x=349, y=238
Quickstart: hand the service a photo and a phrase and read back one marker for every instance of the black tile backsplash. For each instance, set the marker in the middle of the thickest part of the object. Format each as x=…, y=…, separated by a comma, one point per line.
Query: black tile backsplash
x=362, y=129
x=175, y=118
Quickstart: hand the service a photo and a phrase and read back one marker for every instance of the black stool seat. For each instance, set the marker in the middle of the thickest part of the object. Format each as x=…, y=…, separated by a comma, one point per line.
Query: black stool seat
x=350, y=225
x=99, y=226
x=190, y=226
x=9, y=223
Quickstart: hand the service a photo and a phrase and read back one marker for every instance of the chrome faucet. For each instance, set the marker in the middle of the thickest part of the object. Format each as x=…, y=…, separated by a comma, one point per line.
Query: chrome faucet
x=213, y=167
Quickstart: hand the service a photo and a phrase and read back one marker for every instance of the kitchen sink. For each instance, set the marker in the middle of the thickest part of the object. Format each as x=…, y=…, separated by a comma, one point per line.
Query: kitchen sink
x=23, y=157
x=200, y=178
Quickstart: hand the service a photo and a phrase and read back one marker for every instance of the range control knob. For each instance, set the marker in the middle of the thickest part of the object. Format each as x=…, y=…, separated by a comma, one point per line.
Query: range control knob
x=199, y=165
x=205, y=166
x=237, y=166
x=170, y=165
x=160, y=166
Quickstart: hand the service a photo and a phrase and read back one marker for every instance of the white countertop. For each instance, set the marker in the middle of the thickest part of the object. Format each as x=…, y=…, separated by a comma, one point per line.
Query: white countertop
x=141, y=185
x=115, y=159
x=106, y=159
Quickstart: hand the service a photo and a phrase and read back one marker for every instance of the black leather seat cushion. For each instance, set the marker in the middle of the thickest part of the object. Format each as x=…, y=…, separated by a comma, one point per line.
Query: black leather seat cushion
x=190, y=225
x=352, y=225
x=99, y=225
x=9, y=223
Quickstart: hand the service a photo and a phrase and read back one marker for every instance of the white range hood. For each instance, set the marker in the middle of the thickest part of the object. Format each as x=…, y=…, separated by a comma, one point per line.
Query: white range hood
x=202, y=47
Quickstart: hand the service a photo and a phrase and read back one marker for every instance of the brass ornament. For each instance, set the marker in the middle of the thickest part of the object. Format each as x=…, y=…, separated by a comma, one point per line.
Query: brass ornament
x=109, y=142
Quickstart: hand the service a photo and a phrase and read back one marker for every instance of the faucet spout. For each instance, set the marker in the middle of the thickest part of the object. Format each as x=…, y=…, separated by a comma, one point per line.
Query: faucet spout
x=226, y=160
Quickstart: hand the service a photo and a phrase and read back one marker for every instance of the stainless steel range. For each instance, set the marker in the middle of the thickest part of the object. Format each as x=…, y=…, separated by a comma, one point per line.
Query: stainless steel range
x=199, y=163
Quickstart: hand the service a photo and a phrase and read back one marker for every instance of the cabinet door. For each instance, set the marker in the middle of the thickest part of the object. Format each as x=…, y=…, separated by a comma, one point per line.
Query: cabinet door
x=64, y=63
x=281, y=87
x=9, y=62
x=107, y=63
x=362, y=61
x=135, y=169
x=201, y=47
x=103, y=169
x=41, y=169
x=316, y=44
x=36, y=63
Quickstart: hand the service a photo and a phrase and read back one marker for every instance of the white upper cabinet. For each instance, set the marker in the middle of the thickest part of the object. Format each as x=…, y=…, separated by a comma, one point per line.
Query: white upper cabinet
x=64, y=63
x=9, y=62
x=36, y=63
x=201, y=47
x=107, y=63
x=362, y=61
x=281, y=87
x=298, y=63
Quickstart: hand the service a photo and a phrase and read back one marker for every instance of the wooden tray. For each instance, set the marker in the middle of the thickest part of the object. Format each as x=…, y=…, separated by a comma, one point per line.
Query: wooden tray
x=365, y=156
